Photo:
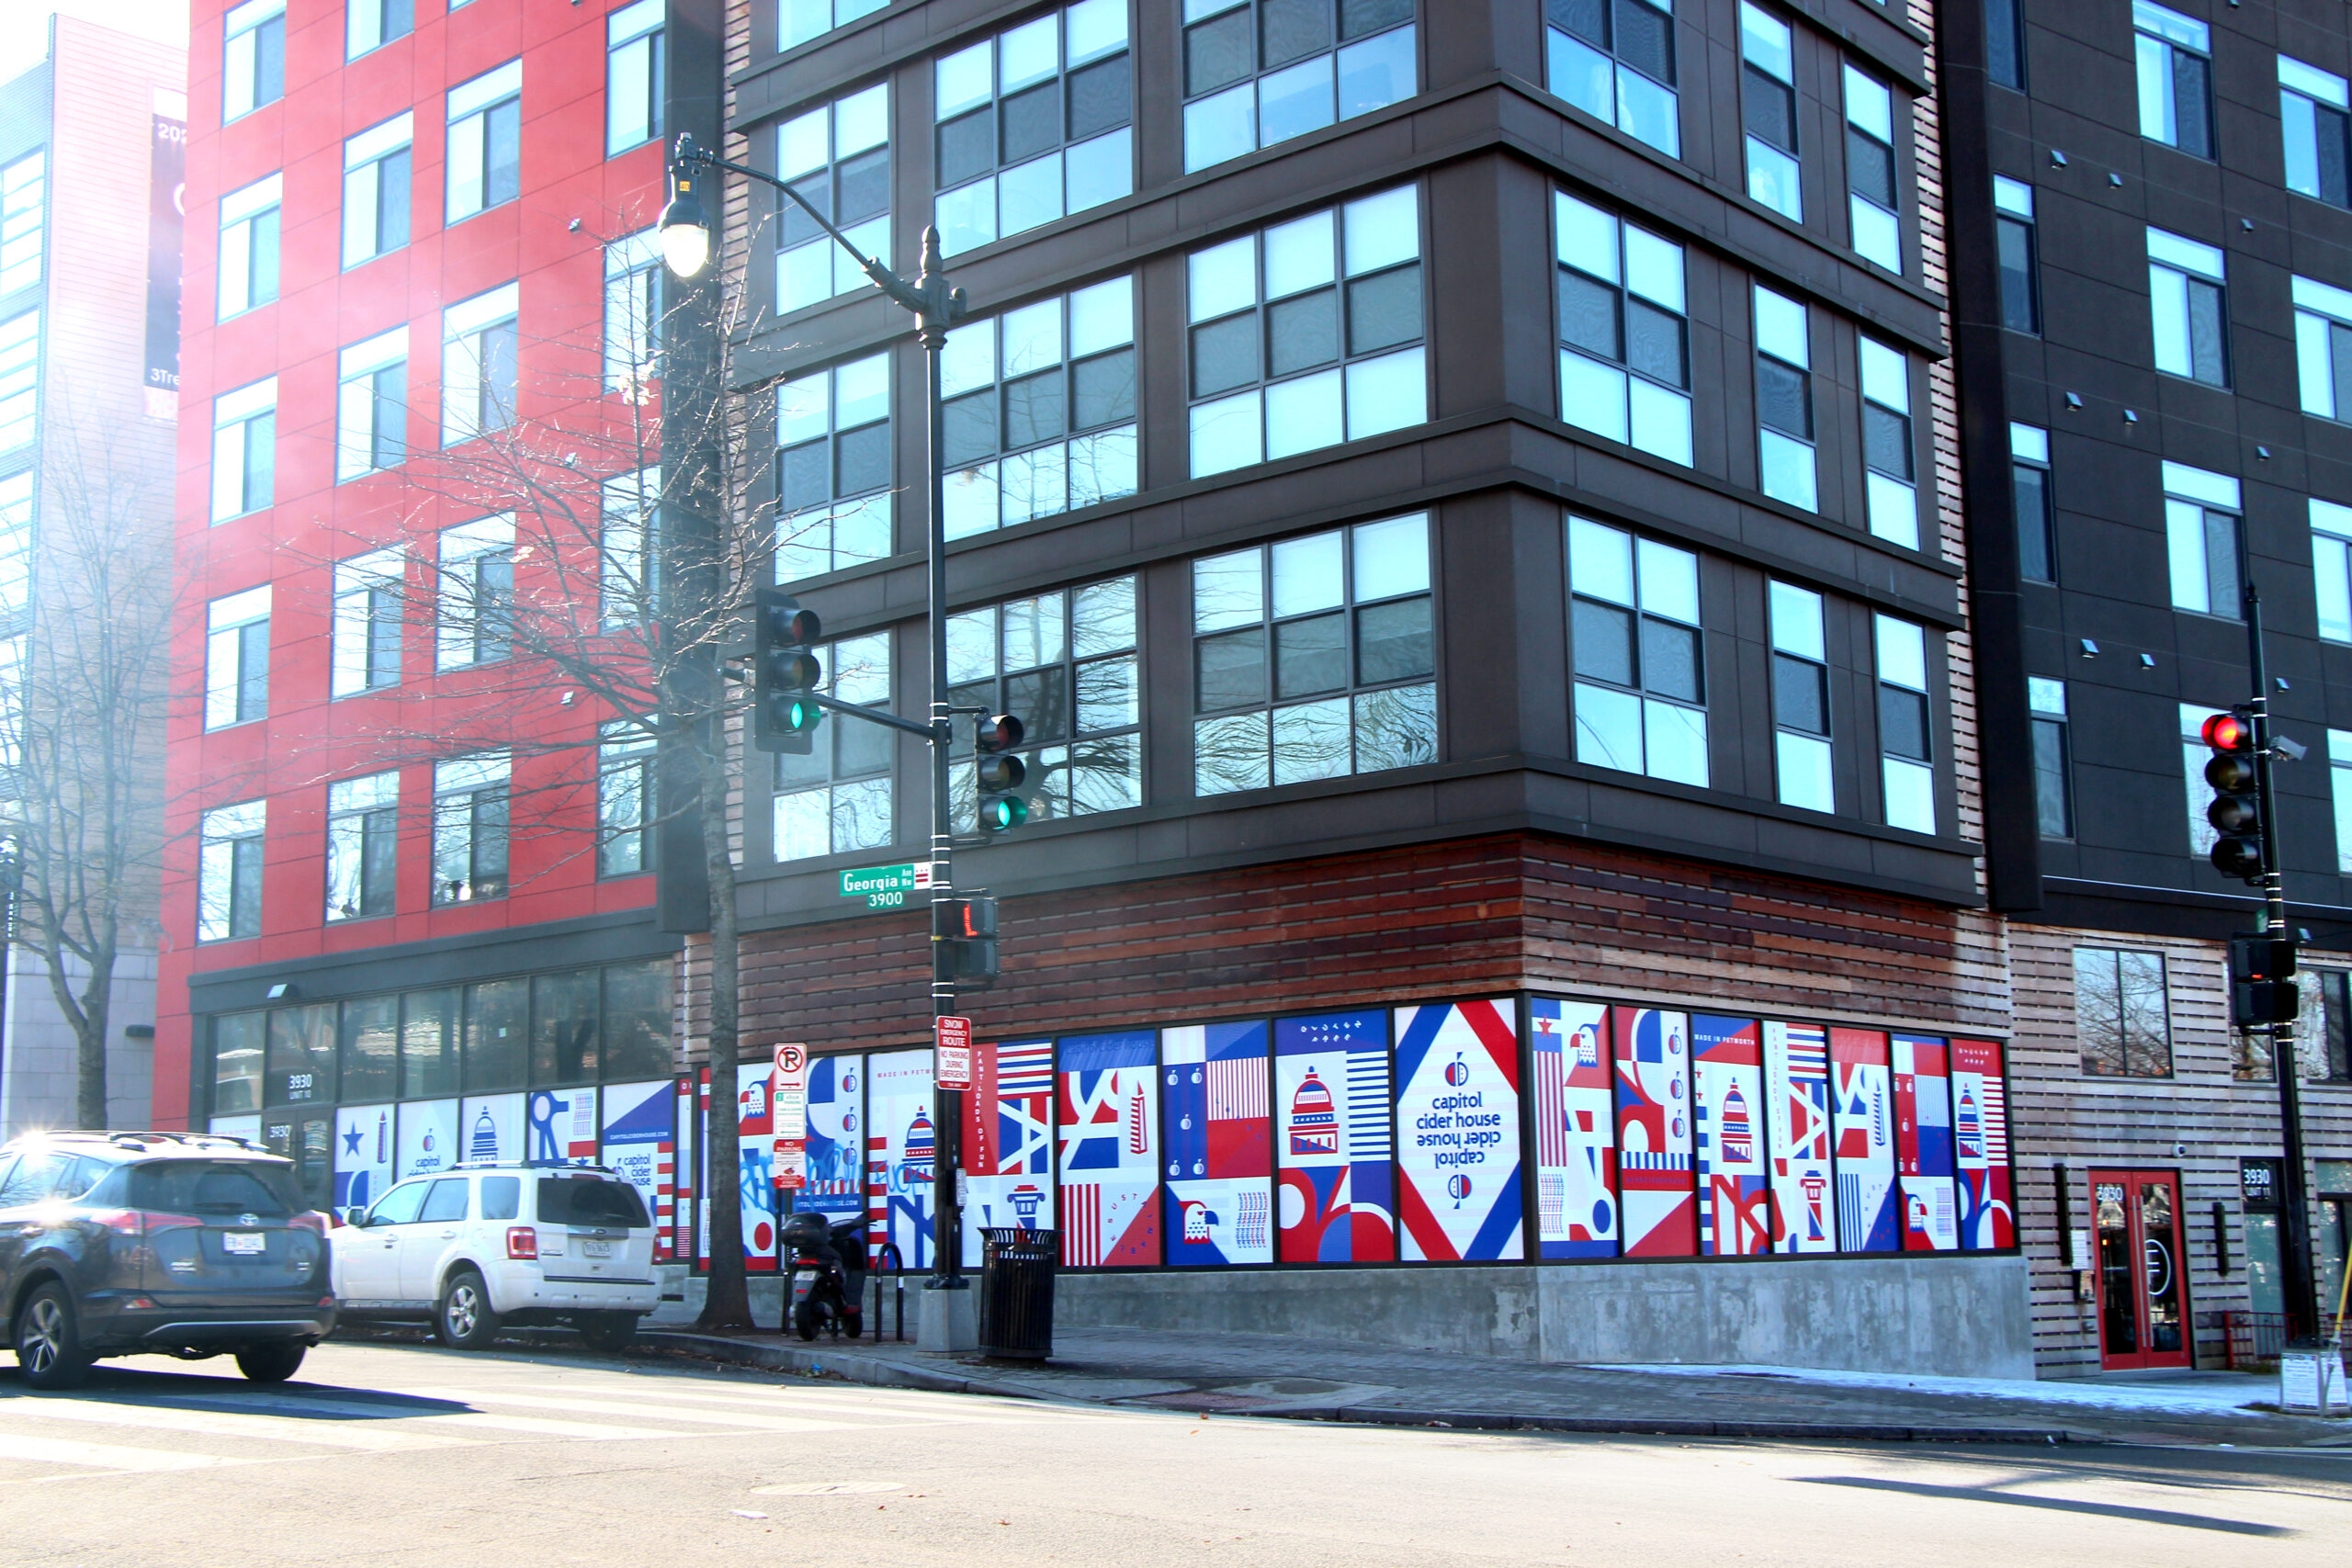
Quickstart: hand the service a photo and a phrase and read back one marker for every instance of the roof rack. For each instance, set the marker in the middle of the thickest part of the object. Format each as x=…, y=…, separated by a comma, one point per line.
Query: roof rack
x=523, y=1164
x=133, y=1140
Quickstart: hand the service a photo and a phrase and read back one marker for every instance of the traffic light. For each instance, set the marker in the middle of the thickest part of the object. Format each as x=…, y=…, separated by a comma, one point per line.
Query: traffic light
x=2236, y=811
x=968, y=927
x=1000, y=774
x=784, y=673
x=2262, y=981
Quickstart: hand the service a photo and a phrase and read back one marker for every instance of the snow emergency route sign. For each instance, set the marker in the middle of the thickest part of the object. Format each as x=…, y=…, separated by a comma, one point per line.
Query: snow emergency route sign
x=952, y=1054
x=789, y=1102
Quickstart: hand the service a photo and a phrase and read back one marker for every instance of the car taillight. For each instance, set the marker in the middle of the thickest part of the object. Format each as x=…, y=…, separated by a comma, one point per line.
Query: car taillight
x=522, y=1242
x=310, y=1221
x=122, y=1222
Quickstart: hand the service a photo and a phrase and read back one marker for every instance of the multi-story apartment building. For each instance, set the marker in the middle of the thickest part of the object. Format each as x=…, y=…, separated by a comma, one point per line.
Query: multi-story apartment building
x=401, y=874
x=1466, y=501
x=90, y=140
x=2137, y=433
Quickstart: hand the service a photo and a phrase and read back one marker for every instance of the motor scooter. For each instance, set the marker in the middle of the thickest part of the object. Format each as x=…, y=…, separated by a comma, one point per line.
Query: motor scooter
x=827, y=1275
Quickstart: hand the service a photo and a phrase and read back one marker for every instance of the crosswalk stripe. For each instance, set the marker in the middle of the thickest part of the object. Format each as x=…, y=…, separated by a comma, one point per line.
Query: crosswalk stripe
x=434, y=1420
x=224, y=1423
x=615, y=1407
x=101, y=1456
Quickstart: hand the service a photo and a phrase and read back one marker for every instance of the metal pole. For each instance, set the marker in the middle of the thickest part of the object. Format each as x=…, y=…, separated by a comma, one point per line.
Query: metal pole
x=947, y=1106
x=2294, y=1241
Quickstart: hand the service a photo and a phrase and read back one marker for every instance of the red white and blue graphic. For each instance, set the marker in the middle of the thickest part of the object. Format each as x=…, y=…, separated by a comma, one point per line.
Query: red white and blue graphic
x=1576, y=1133
x=1728, y=1071
x=1008, y=1154
x=1796, y=1093
x=1108, y=1116
x=693, y=1163
x=428, y=1138
x=1862, y=1107
x=1457, y=1132
x=1980, y=1121
x=755, y=1163
x=559, y=1126
x=1218, y=1115
x=1331, y=1144
x=363, y=1155
x=836, y=1139
x=640, y=1146
x=901, y=1143
x=1923, y=1149
x=490, y=1129
x=1654, y=1188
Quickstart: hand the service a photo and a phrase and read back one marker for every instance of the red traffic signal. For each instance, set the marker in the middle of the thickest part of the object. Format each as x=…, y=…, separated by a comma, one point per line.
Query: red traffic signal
x=1001, y=733
x=2236, y=810
x=2228, y=732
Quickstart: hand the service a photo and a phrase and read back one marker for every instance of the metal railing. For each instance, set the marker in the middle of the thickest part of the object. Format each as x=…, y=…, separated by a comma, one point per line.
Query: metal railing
x=891, y=1261
x=2253, y=1339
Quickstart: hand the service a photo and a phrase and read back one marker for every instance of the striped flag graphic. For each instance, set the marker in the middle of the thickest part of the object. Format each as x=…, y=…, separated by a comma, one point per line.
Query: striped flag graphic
x=1551, y=1108
x=1083, y=1225
x=1024, y=1070
x=1238, y=1090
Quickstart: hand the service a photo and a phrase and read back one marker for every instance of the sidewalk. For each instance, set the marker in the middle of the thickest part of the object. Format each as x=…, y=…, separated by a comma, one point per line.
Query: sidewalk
x=1265, y=1375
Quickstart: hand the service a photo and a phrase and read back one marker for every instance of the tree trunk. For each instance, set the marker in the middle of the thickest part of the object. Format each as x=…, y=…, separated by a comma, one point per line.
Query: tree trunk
x=725, y=1300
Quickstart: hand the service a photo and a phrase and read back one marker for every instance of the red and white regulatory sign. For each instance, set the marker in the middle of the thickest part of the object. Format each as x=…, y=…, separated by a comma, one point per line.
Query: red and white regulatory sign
x=788, y=1101
x=952, y=1054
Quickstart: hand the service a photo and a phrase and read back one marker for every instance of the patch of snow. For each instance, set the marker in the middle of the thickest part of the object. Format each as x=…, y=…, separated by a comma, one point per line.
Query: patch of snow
x=2219, y=1394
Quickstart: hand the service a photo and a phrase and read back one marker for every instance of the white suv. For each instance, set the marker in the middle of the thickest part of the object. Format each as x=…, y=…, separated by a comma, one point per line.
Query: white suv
x=485, y=1245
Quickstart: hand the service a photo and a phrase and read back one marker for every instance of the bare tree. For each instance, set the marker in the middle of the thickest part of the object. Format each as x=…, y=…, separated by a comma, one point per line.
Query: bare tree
x=85, y=823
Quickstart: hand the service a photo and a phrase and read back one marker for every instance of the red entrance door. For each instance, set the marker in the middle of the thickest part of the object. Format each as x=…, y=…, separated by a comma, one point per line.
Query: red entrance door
x=2143, y=1293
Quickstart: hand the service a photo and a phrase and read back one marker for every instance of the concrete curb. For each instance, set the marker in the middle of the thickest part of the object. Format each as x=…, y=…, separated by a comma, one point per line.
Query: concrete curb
x=869, y=1370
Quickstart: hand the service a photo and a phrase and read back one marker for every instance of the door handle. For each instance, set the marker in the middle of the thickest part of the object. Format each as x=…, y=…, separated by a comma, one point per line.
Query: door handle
x=447, y=1235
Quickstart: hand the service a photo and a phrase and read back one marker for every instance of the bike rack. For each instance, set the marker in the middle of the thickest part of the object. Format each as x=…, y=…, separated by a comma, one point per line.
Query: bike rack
x=895, y=1262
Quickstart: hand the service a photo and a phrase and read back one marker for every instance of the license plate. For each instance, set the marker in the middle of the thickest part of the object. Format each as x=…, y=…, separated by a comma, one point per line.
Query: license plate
x=596, y=1249
x=806, y=1277
x=244, y=1241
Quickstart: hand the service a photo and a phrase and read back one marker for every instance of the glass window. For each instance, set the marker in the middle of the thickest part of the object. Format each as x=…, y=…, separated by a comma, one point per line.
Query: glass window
x=563, y=1027
x=2004, y=43
x=253, y=62
x=369, y=609
x=375, y=186
x=633, y=75
x=2339, y=779
x=2324, y=348
x=1871, y=204
x=2332, y=568
x=371, y=24
x=2194, y=755
x=1888, y=443
x=836, y=797
x=371, y=405
x=1614, y=60
x=249, y=225
x=838, y=157
x=479, y=342
x=475, y=591
x=1625, y=333
x=2175, y=65
x=1258, y=72
x=2053, y=793
x=445, y=1200
x=370, y=1051
x=238, y=1048
x=20, y=380
x=1801, y=699
x=24, y=200
x=1906, y=770
x=2315, y=119
x=1041, y=409
x=1065, y=664
x=2036, y=504
x=502, y=1197
x=497, y=1020
x=624, y=799
x=428, y=1045
x=1638, y=653
x=363, y=842
x=16, y=544
x=2013, y=233
x=1784, y=455
x=1307, y=333
x=2121, y=1017
x=1313, y=657
x=1033, y=124
x=635, y=300
x=2189, y=307
x=832, y=468
x=301, y=1056
x=628, y=549
x=2334, y=1010
x=2201, y=538
x=236, y=659
x=244, y=440
x=470, y=810
x=797, y=21
x=636, y=1020
x=485, y=147
x=228, y=883
x=1769, y=102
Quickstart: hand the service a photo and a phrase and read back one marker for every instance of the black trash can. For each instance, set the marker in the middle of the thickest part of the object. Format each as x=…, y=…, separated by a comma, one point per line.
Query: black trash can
x=1017, y=1293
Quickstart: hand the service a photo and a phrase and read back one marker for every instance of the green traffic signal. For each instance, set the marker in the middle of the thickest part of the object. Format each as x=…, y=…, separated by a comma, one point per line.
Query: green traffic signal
x=1004, y=813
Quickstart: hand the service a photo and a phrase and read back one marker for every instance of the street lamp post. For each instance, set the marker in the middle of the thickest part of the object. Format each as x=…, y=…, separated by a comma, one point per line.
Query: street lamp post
x=936, y=306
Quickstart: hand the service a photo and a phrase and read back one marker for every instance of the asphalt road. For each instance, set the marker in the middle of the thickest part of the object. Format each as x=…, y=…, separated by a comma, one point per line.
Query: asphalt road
x=399, y=1454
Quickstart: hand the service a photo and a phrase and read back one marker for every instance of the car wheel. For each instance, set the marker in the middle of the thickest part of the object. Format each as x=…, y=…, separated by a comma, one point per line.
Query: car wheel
x=606, y=1330
x=271, y=1363
x=804, y=1320
x=465, y=1320
x=49, y=1341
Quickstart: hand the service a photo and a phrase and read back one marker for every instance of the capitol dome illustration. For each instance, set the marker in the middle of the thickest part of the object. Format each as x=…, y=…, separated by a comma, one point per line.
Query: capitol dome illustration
x=1738, y=1132
x=1314, y=1119
x=916, y=1164
x=1968, y=1125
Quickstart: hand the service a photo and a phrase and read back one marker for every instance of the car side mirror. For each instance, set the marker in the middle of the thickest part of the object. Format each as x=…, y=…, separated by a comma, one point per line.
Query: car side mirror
x=357, y=1217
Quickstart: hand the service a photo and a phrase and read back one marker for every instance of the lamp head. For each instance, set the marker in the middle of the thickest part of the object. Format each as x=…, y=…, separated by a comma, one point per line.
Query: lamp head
x=685, y=230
